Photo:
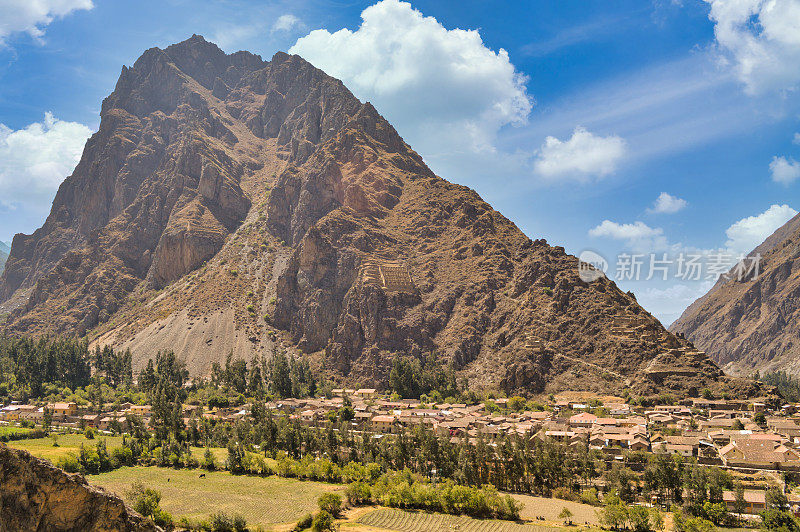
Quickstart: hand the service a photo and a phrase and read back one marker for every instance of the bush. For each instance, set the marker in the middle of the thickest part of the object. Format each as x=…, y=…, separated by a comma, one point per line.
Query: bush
x=144, y=500
x=89, y=433
x=331, y=503
x=778, y=521
x=69, y=463
x=589, y=496
x=323, y=522
x=357, y=493
x=222, y=522
x=305, y=522
x=565, y=494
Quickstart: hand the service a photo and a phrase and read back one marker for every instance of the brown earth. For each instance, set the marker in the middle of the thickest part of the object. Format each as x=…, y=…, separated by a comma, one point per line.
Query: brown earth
x=753, y=324
x=35, y=495
x=231, y=204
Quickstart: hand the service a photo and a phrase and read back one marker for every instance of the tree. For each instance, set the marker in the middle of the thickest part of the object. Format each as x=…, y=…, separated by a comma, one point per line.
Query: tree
x=566, y=516
x=778, y=521
x=323, y=522
x=775, y=499
x=331, y=503
x=739, y=503
x=47, y=419
x=760, y=419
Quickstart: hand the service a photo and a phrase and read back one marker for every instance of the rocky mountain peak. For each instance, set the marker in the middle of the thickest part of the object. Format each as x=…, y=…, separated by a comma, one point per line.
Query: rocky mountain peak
x=227, y=203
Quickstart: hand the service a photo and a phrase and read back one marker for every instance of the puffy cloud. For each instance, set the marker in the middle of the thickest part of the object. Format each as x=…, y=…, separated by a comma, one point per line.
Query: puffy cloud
x=746, y=234
x=761, y=40
x=796, y=139
x=36, y=159
x=668, y=204
x=432, y=83
x=32, y=16
x=581, y=156
x=638, y=236
x=785, y=171
x=287, y=22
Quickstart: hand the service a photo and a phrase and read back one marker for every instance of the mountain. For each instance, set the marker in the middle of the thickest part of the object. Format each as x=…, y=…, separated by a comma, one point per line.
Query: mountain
x=5, y=249
x=229, y=204
x=753, y=324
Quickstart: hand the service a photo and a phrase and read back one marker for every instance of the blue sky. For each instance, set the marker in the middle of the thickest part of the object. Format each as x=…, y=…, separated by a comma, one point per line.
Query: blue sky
x=571, y=117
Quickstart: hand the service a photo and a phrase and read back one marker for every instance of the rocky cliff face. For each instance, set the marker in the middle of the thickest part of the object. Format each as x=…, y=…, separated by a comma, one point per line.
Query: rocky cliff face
x=753, y=324
x=36, y=496
x=228, y=203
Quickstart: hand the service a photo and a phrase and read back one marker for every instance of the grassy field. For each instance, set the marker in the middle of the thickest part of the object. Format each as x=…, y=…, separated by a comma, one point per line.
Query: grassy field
x=71, y=443
x=262, y=501
x=67, y=443
x=411, y=521
x=8, y=430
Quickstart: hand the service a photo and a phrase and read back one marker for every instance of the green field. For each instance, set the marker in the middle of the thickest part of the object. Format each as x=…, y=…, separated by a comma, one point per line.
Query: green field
x=8, y=430
x=262, y=501
x=71, y=443
x=67, y=443
x=408, y=521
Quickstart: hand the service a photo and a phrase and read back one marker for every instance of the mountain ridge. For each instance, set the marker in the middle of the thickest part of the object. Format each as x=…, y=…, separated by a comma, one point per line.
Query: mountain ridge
x=233, y=204
x=753, y=324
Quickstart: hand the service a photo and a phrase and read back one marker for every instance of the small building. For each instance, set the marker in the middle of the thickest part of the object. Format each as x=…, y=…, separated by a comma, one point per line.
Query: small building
x=754, y=501
x=383, y=423
x=63, y=410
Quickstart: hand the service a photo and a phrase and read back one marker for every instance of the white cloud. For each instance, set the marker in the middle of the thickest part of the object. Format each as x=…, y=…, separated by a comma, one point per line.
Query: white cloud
x=583, y=155
x=668, y=204
x=443, y=89
x=746, y=234
x=35, y=160
x=287, y=22
x=670, y=302
x=784, y=171
x=32, y=16
x=638, y=236
x=796, y=139
x=761, y=40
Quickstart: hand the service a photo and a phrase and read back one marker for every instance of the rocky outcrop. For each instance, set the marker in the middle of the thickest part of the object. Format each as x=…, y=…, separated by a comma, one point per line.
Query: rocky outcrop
x=35, y=496
x=229, y=203
x=749, y=322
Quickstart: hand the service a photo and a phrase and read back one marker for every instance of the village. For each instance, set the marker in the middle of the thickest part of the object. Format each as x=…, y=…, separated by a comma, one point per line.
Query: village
x=759, y=445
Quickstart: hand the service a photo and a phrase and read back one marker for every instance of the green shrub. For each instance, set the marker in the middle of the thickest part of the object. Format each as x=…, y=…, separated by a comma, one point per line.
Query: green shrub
x=358, y=493
x=323, y=522
x=222, y=522
x=331, y=503
x=69, y=463
x=305, y=522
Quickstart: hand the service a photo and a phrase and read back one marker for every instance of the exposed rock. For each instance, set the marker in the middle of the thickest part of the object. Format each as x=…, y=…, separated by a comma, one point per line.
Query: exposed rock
x=36, y=496
x=223, y=185
x=751, y=322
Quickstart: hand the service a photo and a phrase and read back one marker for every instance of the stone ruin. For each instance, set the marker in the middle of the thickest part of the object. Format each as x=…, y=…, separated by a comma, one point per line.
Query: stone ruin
x=389, y=275
x=681, y=361
x=633, y=327
x=534, y=344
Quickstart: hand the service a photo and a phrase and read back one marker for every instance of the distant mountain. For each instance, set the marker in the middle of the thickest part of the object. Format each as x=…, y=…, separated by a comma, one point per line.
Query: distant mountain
x=5, y=249
x=231, y=204
x=753, y=324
